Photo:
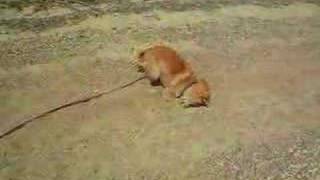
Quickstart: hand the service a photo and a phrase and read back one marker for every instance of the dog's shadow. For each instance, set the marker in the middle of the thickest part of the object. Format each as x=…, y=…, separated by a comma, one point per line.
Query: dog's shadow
x=156, y=83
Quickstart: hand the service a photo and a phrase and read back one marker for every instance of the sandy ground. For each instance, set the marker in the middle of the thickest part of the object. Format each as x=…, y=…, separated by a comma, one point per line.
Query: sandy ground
x=262, y=62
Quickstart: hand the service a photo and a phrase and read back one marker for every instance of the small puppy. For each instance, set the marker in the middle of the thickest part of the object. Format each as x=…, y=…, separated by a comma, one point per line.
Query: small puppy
x=163, y=64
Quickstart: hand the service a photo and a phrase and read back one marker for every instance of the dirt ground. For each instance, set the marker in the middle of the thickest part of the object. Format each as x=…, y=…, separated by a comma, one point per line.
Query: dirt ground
x=262, y=61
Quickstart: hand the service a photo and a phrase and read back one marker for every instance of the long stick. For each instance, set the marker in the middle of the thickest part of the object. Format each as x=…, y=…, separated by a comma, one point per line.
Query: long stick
x=79, y=101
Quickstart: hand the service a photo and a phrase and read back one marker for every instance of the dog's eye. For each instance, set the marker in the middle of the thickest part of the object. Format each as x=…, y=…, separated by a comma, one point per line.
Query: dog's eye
x=140, y=69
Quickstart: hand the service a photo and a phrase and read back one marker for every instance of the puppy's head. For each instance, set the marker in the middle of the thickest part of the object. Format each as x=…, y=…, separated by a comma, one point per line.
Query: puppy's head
x=139, y=60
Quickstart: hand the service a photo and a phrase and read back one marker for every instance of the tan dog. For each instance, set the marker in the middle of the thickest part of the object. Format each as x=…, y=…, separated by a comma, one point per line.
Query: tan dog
x=162, y=64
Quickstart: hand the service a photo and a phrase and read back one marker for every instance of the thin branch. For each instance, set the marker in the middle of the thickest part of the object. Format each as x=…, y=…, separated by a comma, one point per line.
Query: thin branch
x=63, y=106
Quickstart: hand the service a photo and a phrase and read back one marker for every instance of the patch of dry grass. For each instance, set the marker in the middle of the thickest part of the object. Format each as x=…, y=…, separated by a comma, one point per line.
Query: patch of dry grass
x=253, y=60
x=297, y=159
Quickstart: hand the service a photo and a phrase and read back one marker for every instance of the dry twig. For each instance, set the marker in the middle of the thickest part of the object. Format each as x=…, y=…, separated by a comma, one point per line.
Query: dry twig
x=63, y=106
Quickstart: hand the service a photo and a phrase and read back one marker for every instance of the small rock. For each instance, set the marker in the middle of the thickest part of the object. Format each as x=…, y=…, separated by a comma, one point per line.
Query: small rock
x=28, y=11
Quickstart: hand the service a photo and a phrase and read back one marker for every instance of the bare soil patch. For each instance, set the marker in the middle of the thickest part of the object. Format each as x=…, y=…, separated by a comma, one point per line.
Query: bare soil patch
x=261, y=61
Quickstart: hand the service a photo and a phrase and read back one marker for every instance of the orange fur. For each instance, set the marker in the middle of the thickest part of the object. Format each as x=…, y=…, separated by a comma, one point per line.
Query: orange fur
x=162, y=63
x=197, y=95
